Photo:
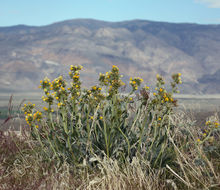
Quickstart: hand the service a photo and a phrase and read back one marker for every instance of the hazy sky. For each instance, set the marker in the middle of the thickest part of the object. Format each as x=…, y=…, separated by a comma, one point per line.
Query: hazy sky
x=42, y=12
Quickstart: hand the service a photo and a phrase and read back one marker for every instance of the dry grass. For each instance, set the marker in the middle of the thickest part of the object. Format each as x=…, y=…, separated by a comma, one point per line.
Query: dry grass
x=23, y=166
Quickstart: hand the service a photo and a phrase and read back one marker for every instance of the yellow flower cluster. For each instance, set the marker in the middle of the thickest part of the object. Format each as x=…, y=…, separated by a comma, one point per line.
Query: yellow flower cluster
x=60, y=93
x=146, y=87
x=112, y=80
x=161, y=95
x=166, y=98
x=60, y=104
x=160, y=79
x=58, y=84
x=31, y=117
x=37, y=116
x=176, y=80
x=76, y=68
x=135, y=82
x=210, y=126
x=93, y=95
x=49, y=98
x=45, y=84
x=76, y=84
x=27, y=109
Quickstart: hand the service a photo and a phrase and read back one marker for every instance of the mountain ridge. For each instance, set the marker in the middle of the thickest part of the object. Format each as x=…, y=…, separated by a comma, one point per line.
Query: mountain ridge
x=139, y=47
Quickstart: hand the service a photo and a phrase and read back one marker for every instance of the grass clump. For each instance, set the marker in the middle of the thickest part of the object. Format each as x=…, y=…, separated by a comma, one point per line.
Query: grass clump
x=99, y=138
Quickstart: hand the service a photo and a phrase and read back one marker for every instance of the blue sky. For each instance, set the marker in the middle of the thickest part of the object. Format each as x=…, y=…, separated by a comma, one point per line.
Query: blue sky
x=43, y=12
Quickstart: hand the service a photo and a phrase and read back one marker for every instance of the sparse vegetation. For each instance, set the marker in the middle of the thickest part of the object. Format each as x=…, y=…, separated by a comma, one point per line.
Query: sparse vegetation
x=100, y=138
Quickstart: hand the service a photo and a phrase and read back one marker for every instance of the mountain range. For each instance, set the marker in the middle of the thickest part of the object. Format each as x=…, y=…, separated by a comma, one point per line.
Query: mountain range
x=138, y=47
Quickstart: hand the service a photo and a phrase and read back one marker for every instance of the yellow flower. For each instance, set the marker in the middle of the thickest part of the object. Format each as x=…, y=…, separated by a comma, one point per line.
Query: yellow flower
x=179, y=74
x=41, y=81
x=130, y=98
x=134, y=82
x=130, y=78
x=161, y=89
x=37, y=126
x=99, y=89
x=154, y=94
x=159, y=119
x=162, y=101
x=101, y=117
x=45, y=108
x=166, y=99
x=77, y=86
x=91, y=118
x=147, y=87
x=207, y=122
x=198, y=140
x=57, y=98
x=25, y=113
x=39, y=86
x=34, y=105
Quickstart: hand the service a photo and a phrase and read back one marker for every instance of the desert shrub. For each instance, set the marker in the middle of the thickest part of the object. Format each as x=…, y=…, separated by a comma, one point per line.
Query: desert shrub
x=78, y=124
